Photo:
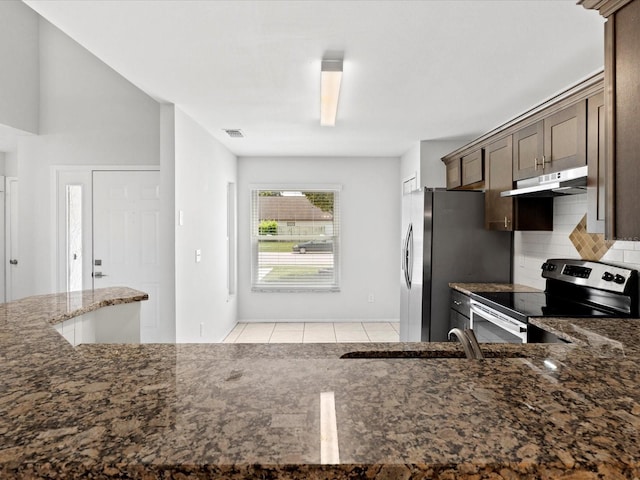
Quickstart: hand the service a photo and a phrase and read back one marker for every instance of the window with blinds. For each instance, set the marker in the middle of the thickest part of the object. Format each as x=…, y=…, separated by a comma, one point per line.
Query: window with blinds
x=295, y=238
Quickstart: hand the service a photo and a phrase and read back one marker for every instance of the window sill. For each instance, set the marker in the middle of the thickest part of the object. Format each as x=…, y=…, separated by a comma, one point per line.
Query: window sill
x=295, y=290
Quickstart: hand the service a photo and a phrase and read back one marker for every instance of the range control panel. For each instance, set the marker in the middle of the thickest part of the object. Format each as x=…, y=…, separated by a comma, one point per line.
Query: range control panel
x=576, y=271
x=589, y=274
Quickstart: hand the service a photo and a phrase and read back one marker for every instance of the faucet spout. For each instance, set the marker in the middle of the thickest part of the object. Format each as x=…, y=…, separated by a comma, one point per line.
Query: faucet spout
x=469, y=342
x=475, y=346
x=464, y=340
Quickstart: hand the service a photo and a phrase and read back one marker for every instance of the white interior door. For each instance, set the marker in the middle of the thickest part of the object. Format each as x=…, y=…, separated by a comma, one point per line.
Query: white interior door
x=126, y=214
x=11, y=234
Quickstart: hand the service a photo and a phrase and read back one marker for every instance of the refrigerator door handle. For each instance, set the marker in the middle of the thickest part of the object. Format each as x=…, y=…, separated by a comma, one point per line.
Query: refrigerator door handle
x=408, y=257
x=403, y=259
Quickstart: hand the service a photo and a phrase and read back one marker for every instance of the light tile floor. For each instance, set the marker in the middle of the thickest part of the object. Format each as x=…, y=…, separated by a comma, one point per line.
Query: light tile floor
x=289, y=332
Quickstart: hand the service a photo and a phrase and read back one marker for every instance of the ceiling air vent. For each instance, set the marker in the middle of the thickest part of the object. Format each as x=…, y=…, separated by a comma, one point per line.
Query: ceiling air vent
x=234, y=132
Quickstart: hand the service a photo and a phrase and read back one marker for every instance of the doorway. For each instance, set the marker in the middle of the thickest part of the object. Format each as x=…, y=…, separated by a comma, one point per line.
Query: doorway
x=126, y=234
x=108, y=235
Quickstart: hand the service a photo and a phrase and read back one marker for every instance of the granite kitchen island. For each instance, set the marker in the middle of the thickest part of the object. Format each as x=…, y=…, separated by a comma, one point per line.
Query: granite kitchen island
x=254, y=411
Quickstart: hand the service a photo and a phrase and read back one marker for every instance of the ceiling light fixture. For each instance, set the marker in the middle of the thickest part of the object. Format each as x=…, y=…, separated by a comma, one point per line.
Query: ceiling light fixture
x=330, y=79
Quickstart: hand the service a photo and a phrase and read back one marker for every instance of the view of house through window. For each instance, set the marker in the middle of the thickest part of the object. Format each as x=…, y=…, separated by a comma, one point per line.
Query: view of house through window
x=295, y=239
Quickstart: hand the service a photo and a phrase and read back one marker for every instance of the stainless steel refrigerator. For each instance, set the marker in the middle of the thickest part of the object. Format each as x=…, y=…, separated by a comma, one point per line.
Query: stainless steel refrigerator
x=444, y=241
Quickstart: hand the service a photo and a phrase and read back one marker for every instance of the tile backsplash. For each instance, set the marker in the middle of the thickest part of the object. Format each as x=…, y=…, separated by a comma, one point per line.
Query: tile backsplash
x=590, y=246
x=568, y=239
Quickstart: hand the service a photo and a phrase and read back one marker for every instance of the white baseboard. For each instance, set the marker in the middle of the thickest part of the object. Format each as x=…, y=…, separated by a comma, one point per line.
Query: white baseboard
x=319, y=320
x=225, y=335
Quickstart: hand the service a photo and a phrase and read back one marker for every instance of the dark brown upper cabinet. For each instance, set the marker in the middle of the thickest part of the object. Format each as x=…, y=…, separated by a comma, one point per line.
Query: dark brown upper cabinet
x=454, y=175
x=528, y=149
x=498, y=213
x=622, y=115
x=565, y=139
x=556, y=143
x=473, y=168
x=596, y=157
x=622, y=45
x=466, y=172
x=547, y=138
x=509, y=213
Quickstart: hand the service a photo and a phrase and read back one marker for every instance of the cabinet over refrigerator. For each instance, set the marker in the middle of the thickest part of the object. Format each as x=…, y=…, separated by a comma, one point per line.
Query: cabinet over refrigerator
x=444, y=241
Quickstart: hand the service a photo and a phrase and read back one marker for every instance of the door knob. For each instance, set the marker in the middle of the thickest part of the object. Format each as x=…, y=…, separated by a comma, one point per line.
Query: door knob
x=13, y=261
x=98, y=275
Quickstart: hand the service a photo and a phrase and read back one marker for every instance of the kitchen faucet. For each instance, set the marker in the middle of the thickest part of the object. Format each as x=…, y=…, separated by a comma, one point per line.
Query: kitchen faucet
x=469, y=342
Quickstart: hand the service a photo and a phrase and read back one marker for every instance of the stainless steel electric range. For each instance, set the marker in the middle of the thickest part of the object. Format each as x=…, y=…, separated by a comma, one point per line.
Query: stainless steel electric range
x=574, y=288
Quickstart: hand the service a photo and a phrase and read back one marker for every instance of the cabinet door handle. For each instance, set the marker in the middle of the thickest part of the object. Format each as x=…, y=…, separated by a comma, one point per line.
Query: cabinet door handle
x=506, y=222
x=456, y=302
x=545, y=161
x=542, y=163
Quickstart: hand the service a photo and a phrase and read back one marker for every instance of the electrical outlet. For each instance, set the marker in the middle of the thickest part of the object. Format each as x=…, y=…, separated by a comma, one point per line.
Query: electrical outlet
x=198, y=255
x=202, y=329
x=371, y=298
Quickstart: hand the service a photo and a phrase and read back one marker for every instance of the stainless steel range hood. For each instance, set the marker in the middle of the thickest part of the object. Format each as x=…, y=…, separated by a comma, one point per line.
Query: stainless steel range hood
x=566, y=182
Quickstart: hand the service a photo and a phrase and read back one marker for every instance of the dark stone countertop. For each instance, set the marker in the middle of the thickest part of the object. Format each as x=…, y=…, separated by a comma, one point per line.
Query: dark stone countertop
x=254, y=411
x=469, y=288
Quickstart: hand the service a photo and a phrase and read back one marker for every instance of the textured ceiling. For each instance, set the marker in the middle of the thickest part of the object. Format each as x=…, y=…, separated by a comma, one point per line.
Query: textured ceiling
x=413, y=70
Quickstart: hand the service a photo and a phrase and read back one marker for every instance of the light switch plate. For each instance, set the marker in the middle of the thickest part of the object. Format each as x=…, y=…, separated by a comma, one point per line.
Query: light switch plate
x=198, y=255
x=180, y=218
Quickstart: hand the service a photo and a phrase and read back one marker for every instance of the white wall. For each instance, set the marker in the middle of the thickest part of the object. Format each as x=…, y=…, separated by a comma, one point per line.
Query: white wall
x=167, y=301
x=370, y=233
x=432, y=170
x=89, y=115
x=203, y=167
x=425, y=160
x=11, y=164
x=19, y=77
x=531, y=249
x=410, y=164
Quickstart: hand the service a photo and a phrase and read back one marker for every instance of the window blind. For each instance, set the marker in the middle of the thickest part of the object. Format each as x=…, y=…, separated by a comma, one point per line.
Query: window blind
x=295, y=235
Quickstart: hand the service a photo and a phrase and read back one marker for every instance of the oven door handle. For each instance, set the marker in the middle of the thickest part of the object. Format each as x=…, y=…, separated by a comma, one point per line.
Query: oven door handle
x=517, y=330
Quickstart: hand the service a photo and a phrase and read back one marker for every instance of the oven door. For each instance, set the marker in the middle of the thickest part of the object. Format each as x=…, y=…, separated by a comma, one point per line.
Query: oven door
x=491, y=326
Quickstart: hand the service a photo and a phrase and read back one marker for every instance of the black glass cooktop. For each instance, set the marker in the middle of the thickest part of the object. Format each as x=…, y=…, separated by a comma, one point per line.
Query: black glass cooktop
x=538, y=304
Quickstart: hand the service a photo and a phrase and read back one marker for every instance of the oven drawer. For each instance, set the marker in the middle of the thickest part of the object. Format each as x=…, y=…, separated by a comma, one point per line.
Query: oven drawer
x=492, y=326
x=460, y=303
